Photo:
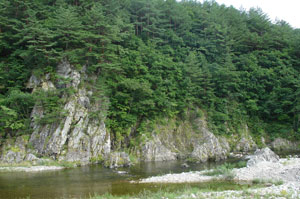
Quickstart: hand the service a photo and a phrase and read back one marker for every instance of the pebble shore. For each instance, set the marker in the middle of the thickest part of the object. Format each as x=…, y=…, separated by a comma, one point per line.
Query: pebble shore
x=285, y=170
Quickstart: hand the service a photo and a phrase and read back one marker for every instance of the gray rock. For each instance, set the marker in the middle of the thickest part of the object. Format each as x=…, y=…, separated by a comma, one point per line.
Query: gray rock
x=14, y=152
x=155, y=150
x=31, y=158
x=280, y=144
x=246, y=144
x=186, y=140
x=64, y=69
x=76, y=137
x=210, y=147
x=261, y=155
x=11, y=157
x=118, y=159
x=185, y=165
x=33, y=82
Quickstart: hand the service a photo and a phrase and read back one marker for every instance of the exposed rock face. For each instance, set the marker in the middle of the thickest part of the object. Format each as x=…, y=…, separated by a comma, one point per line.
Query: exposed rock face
x=246, y=144
x=184, y=141
x=261, y=155
x=118, y=159
x=155, y=150
x=31, y=158
x=14, y=152
x=210, y=148
x=280, y=144
x=77, y=136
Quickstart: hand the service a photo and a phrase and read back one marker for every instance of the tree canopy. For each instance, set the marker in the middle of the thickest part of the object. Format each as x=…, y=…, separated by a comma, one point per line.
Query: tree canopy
x=156, y=58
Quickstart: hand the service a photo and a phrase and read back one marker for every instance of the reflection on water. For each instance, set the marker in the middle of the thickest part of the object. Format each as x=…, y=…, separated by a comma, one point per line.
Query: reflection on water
x=85, y=181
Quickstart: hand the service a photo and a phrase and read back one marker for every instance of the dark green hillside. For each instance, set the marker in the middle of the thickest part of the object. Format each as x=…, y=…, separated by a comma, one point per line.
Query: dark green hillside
x=153, y=59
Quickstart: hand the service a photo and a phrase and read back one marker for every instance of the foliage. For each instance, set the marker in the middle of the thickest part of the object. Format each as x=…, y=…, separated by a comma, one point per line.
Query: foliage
x=225, y=169
x=154, y=59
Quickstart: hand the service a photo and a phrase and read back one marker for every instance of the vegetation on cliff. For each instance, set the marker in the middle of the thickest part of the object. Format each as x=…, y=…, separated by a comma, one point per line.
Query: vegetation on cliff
x=153, y=59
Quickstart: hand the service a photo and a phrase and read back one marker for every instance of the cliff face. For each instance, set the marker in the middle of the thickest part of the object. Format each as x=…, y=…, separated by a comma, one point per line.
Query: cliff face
x=189, y=140
x=77, y=136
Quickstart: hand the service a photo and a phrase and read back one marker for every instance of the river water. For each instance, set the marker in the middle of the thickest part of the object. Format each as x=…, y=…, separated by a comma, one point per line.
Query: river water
x=89, y=180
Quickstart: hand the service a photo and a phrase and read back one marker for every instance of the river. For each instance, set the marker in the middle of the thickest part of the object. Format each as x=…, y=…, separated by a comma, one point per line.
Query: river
x=88, y=180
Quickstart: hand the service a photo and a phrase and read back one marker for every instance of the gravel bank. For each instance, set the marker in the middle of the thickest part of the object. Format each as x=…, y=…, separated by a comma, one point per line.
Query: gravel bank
x=185, y=177
x=288, y=190
x=285, y=170
x=30, y=169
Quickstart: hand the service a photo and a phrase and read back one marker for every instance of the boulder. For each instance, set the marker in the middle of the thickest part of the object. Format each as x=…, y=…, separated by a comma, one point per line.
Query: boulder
x=31, y=158
x=185, y=165
x=261, y=155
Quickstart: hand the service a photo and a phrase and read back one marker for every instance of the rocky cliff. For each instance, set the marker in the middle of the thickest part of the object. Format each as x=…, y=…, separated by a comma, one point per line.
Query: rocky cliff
x=79, y=136
x=192, y=140
x=76, y=136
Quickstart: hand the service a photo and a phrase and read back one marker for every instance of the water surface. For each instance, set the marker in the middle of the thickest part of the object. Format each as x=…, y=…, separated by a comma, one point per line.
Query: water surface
x=88, y=180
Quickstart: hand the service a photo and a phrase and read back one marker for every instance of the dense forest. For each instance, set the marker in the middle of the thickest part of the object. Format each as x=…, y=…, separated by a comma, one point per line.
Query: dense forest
x=153, y=59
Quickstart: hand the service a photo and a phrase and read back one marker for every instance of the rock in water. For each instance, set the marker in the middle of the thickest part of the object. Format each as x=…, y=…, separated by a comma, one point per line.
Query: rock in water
x=185, y=165
x=118, y=159
x=261, y=155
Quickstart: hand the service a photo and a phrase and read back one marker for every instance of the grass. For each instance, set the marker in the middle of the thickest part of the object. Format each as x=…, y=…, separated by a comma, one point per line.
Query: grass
x=47, y=162
x=22, y=164
x=264, y=181
x=186, y=193
x=189, y=193
x=225, y=170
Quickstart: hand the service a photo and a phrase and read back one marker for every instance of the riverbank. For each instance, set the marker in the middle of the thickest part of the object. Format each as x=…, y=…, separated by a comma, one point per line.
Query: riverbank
x=280, y=178
x=286, y=191
x=30, y=168
x=286, y=170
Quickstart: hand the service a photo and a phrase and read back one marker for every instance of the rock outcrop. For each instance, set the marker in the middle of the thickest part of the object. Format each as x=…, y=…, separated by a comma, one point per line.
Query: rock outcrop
x=118, y=159
x=280, y=144
x=261, y=155
x=210, y=147
x=245, y=144
x=77, y=136
x=14, y=151
x=155, y=150
x=188, y=141
x=79, y=133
